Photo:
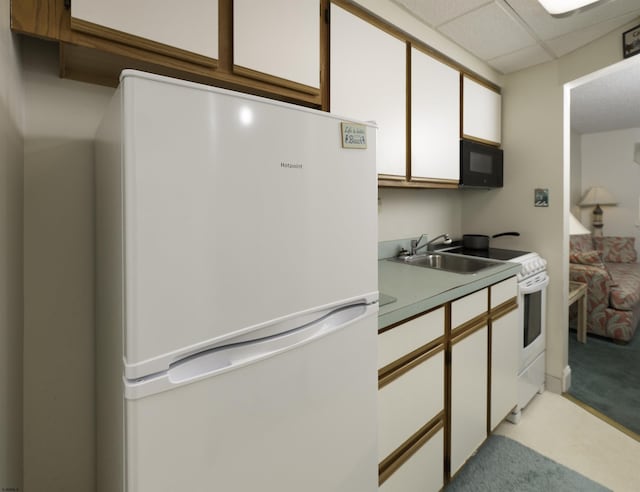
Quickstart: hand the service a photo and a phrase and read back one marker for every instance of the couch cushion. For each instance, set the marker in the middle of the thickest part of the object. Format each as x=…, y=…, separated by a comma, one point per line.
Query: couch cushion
x=592, y=257
x=580, y=242
x=617, y=249
x=625, y=294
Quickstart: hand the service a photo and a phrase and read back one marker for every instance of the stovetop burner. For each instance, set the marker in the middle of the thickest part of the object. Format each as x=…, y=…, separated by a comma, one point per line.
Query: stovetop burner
x=492, y=253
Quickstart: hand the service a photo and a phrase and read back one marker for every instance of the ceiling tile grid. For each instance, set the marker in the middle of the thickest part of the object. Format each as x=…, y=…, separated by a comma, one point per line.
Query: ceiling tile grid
x=511, y=35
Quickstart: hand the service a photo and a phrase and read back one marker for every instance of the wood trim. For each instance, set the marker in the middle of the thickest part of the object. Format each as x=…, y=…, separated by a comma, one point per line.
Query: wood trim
x=140, y=42
x=489, y=363
x=480, y=140
x=447, y=395
x=411, y=318
x=393, y=371
x=469, y=327
x=406, y=450
x=408, y=92
x=273, y=80
x=325, y=55
x=40, y=18
x=353, y=8
x=483, y=82
x=504, y=309
x=225, y=35
x=392, y=182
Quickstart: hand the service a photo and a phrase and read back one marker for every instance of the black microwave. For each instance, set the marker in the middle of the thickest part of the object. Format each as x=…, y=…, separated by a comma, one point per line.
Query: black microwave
x=480, y=165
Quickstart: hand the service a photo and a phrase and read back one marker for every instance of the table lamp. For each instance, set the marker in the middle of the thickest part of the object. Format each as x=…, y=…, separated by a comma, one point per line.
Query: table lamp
x=597, y=195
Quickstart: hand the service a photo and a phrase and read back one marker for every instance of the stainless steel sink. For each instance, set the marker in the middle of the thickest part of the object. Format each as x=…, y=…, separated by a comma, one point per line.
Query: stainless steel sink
x=447, y=262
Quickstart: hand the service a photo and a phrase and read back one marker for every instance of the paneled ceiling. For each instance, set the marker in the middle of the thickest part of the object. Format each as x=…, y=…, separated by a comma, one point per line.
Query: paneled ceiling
x=510, y=35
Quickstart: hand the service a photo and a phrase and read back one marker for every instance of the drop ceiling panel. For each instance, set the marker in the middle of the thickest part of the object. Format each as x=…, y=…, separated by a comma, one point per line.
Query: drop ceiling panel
x=437, y=12
x=488, y=32
x=526, y=57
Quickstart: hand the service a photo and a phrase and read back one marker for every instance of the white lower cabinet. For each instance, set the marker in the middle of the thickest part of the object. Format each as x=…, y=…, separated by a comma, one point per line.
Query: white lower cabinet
x=435, y=383
x=422, y=471
x=407, y=403
x=468, y=396
x=504, y=366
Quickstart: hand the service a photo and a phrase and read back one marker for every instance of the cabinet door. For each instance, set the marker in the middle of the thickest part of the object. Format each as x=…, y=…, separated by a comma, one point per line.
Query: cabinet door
x=368, y=82
x=401, y=340
x=422, y=472
x=504, y=366
x=407, y=403
x=190, y=26
x=468, y=396
x=435, y=119
x=481, y=112
x=279, y=38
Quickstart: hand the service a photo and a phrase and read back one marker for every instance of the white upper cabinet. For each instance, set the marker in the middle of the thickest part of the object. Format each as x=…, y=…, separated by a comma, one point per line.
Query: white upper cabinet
x=279, y=38
x=481, y=118
x=435, y=119
x=368, y=82
x=190, y=26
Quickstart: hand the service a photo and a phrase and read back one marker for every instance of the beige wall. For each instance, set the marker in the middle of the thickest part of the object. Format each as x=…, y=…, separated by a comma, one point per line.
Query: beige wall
x=607, y=160
x=59, y=422
x=534, y=150
x=11, y=318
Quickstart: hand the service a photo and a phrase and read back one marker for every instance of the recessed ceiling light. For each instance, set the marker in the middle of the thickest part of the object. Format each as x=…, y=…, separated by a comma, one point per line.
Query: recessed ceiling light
x=559, y=7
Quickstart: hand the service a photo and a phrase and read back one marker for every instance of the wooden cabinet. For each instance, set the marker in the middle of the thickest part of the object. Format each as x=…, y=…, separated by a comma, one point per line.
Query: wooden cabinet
x=481, y=112
x=435, y=120
x=421, y=470
x=279, y=47
x=469, y=376
x=368, y=82
x=411, y=404
x=446, y=379
x=505, y=350
x=279, y=38
x=183, y=28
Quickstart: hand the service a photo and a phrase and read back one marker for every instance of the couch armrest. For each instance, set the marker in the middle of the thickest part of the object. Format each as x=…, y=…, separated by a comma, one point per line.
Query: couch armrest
x=598, y=282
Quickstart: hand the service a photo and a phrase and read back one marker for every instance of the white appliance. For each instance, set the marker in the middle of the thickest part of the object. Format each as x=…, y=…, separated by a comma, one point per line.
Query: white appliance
x=532, y=301
x=237, y=294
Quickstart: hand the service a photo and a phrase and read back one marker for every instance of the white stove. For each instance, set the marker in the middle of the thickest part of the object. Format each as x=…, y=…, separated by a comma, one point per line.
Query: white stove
x=532, y=299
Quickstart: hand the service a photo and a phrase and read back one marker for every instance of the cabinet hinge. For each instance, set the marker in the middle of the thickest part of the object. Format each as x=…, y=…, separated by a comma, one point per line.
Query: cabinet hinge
x=67, y=4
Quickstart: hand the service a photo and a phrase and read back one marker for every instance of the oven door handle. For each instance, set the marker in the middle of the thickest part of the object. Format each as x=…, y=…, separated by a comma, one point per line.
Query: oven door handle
x=534, y=287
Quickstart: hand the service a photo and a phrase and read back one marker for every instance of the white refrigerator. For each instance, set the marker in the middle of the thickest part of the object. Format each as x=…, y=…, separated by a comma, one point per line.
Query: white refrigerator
x=236, y=294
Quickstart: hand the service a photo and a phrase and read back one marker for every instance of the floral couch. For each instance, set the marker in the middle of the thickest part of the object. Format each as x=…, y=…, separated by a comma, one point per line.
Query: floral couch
x=608, y=265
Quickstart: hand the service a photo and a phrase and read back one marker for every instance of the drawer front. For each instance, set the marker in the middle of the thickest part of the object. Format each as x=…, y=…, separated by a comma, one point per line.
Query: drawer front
x=422, y=472
x=468, y=308
x=407, y=337
x=503, y=291
x=409, y=402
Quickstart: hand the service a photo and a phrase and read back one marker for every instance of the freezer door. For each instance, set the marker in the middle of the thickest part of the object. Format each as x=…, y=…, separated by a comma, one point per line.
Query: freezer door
x=237, y=211
x=304, y=420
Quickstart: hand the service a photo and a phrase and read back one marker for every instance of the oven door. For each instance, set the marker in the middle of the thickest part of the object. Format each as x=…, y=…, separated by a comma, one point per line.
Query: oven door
x=532, y=300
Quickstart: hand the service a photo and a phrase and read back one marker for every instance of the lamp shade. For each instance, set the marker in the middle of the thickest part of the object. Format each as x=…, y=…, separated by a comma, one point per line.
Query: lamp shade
x=597, y=195
x=576, y=227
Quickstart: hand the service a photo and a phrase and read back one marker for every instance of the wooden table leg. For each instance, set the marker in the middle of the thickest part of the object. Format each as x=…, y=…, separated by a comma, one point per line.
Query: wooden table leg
x=582, y=319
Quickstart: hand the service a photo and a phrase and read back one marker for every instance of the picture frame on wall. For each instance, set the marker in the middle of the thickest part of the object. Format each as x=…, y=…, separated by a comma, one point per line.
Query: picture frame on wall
x=631, y=42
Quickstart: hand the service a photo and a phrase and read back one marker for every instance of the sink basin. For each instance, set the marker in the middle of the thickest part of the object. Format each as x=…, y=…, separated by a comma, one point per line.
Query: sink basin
x=447, y=262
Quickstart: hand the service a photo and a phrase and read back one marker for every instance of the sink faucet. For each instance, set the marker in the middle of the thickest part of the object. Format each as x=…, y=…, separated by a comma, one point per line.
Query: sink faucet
x=445, y=240
x=415, y=243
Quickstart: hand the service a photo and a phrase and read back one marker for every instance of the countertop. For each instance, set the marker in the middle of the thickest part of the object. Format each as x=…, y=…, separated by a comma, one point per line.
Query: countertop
x=417, y=289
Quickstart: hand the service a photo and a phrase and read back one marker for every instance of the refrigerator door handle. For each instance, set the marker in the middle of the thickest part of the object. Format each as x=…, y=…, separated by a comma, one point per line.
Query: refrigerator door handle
x=222, y=359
